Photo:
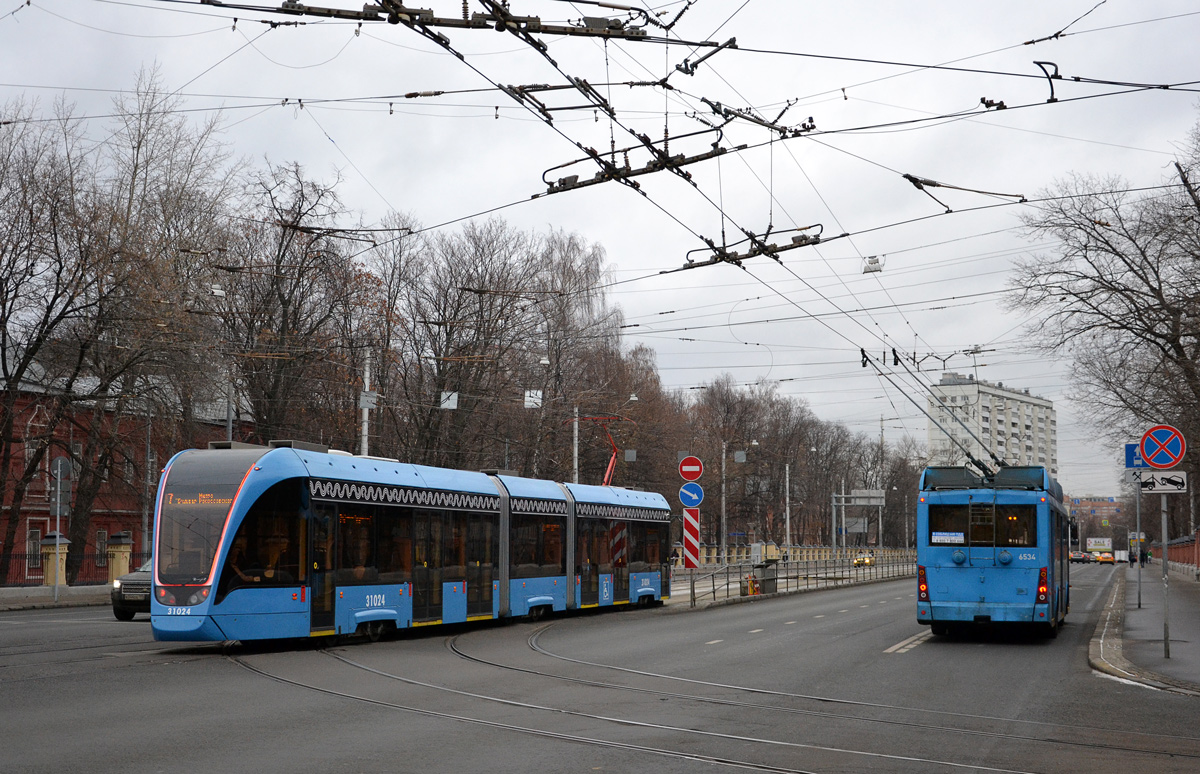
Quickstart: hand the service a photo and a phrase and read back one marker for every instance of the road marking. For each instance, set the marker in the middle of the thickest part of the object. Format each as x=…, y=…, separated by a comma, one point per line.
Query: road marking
x=883, y=602
x=822, y=615
x=862, y=606
x=905, y=646
x=756, y=631
x=843, y=611
x=789, y=623
x=713, y=642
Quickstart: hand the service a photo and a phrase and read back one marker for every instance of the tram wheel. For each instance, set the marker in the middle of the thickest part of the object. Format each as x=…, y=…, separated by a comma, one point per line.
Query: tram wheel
x=374, y=630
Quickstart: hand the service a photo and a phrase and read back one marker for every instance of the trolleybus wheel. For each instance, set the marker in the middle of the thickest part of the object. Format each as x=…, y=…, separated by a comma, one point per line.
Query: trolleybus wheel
x=939, y=629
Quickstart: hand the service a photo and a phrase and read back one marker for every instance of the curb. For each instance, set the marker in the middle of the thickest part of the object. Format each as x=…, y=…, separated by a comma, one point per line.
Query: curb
x=1105, y=651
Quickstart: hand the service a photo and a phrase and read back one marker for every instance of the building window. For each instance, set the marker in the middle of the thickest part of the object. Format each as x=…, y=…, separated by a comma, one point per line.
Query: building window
x=33, y=548
x=101, y=548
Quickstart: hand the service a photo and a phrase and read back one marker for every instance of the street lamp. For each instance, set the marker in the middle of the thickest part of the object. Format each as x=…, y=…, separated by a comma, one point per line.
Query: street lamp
x=724, y=519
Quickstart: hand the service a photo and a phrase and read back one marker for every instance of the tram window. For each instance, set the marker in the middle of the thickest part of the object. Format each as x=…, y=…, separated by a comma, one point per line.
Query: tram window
x=1016, y=525
x=948, y=525
x=395, y=546
x=618, y=539
x=524, y=549
x=553, y=561
x=266, y=547
x=602, y=546
x=356, y=540
x=636, y=547
x=428, y=538
x=482, y=539
x=454, y=560
x=537, y=549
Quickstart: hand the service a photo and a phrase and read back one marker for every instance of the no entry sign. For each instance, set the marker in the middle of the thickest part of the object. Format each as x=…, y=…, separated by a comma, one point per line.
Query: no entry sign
x=1163, y=446
x=691, y=468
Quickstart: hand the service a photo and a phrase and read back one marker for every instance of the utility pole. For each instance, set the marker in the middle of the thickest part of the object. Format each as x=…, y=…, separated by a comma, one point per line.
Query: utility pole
x=363, y=402
x=787, y=507
x=724, y=523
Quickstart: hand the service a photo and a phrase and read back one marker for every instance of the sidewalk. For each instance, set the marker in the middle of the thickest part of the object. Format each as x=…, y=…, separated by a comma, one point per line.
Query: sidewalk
x=1128, y=642
x=32, y=597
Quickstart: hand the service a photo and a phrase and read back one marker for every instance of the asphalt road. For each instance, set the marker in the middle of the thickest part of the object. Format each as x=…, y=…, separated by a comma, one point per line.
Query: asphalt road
x=841, y=680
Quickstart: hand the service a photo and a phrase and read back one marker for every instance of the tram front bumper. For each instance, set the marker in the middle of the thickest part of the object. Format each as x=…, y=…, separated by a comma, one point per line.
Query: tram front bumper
x=186, y=628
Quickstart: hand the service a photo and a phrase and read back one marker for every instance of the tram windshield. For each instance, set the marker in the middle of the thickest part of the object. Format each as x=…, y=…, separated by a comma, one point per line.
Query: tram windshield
x=194, y=505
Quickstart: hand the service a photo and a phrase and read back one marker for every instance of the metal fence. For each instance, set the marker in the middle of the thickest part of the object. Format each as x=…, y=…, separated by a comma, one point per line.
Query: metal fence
x=742, y=580
x=32, y=569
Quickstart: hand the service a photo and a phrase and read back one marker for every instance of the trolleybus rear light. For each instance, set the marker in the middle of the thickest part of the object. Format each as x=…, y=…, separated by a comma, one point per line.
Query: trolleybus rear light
x=922, y=585
x=1043, y=586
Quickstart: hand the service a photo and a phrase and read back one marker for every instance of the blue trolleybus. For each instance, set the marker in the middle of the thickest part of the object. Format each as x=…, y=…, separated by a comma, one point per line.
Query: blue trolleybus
x=991, y=549
x=293, y=540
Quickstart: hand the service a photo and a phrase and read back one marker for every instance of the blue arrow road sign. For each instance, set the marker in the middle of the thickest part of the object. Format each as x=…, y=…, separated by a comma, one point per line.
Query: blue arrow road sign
x=1133, y=456
x=691, y=494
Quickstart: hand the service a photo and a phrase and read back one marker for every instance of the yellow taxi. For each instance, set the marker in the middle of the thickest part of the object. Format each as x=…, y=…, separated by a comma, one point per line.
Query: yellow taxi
x=864, y=559
x=1105, y=557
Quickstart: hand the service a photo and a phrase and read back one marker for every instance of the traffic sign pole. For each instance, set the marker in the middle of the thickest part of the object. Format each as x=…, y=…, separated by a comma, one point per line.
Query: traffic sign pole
x=1162, y=446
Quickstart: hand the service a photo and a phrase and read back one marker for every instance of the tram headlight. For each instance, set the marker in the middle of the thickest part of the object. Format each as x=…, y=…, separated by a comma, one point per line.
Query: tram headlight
x=198, y=597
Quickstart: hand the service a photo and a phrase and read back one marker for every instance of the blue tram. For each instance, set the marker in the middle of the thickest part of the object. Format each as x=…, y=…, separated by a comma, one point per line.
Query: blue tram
x=992, y=548
x=293, y=540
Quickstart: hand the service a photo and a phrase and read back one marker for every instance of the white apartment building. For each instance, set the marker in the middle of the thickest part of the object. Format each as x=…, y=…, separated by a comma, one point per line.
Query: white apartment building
x=1017, y=427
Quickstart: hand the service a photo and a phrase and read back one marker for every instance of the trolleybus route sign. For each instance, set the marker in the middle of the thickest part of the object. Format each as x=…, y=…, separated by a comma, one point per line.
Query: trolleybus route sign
x=1163, y=446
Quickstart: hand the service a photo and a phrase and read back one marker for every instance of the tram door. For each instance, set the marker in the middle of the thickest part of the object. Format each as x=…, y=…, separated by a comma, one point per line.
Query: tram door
x=321, y=536
x=587, y=560
x=618, y=539
x=427, y=565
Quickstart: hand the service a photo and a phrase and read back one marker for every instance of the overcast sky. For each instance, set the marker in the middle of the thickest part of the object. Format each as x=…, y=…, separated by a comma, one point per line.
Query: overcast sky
x=862, y=73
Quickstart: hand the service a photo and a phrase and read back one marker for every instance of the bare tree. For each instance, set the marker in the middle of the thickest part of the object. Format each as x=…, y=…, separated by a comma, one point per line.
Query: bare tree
x=1121, y=297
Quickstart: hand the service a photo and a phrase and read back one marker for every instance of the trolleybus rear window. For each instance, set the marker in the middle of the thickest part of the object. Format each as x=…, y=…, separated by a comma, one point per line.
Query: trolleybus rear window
x=196, y=498
x=983, y=525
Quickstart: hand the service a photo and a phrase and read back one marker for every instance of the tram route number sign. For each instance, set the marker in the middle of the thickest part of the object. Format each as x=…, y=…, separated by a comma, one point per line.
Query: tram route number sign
x=1162, y=446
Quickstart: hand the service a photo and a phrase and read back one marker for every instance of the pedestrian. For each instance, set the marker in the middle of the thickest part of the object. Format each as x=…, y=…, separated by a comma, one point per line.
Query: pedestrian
x=1143, y=555
x=1132, y=558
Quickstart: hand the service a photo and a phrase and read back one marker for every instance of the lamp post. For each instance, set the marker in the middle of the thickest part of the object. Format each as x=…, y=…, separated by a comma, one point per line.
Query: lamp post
x=724, y=518
x=724, y=522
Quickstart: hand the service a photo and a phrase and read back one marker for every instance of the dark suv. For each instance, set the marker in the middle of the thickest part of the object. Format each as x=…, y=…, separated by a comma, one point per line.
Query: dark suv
x=131, y=593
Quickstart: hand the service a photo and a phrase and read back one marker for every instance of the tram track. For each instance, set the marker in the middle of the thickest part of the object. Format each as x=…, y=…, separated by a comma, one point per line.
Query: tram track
x=621, y=722
x=1060, y=739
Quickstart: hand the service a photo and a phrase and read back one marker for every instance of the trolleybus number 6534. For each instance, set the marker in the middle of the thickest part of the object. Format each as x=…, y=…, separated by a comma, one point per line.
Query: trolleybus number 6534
x=1029, y=557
